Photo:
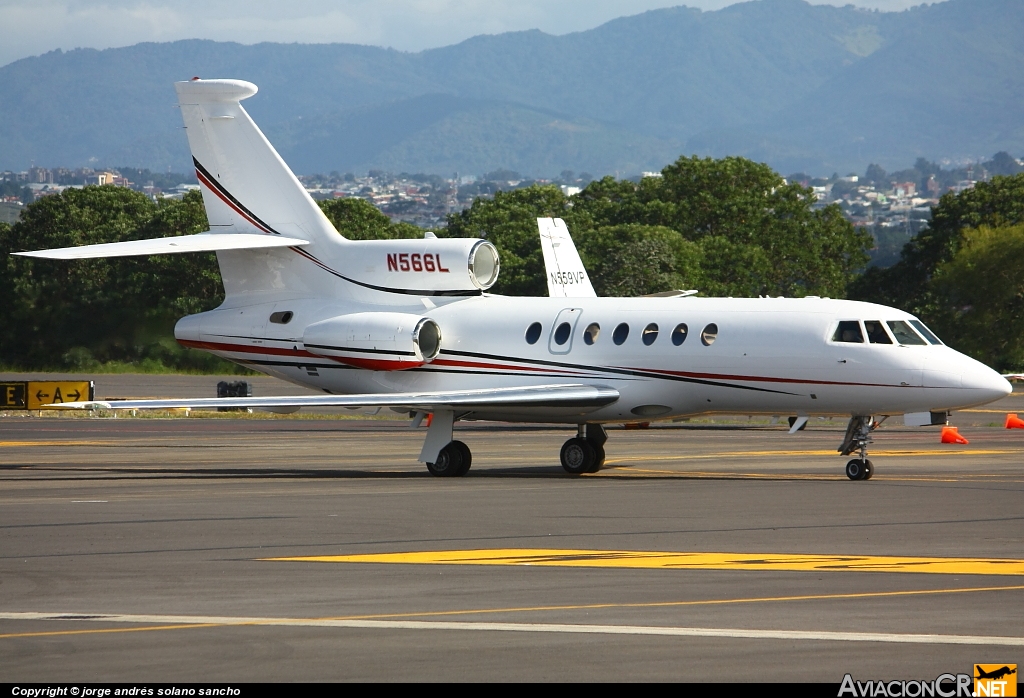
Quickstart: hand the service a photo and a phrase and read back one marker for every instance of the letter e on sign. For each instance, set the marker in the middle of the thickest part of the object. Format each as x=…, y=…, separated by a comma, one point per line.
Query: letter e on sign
x=12, y=396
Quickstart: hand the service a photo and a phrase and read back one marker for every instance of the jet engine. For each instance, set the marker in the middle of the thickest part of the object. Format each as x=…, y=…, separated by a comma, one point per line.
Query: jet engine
x=376, y=341
x=428, y=266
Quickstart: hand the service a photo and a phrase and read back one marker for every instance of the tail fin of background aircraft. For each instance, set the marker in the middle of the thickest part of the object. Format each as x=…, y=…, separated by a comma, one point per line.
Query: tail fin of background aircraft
x=566, y=276
x=246, y=186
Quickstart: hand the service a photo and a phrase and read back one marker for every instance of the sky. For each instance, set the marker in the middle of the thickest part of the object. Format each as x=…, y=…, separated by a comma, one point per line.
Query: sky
x=33, y=27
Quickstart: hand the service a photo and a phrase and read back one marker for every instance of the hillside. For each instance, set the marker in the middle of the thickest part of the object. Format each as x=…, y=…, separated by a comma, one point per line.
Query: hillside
x=802, y=87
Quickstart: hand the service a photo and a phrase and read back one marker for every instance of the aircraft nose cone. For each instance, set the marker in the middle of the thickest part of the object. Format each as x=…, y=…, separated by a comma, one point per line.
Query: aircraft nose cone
x=986, y=383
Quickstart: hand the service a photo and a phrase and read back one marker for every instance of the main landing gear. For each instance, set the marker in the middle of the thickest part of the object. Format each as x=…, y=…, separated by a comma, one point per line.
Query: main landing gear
x=454, y=460
x=446, y=457
x=585, y=452
x=858, y=436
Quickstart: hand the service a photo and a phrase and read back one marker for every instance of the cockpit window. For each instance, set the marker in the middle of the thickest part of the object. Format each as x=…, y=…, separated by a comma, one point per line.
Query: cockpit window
x=903, y=334
x=848, y=331
x=928, y=334
x=876, y=332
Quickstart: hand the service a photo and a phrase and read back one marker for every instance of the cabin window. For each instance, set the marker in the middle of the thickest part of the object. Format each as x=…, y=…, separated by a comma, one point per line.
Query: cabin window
x=876, y=332
x=650, y=334
x=282, y=317
x=562, y=333
x=620, y=333
x=709, y=335
x=679, y=334
x=533, y=333
x=848, y=331
x=903, y=334
x=590, y=334
x=928, y=334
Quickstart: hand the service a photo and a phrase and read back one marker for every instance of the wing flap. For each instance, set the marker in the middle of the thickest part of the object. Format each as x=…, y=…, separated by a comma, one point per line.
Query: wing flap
x=203, y=242
x=562, y=395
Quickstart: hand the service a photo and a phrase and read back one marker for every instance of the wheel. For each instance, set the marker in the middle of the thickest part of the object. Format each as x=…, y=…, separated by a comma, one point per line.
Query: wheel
x=467, y=457
x=869, y=470
x=598, y=457
x=858, y=469
x=578, y=456
x=449, y=461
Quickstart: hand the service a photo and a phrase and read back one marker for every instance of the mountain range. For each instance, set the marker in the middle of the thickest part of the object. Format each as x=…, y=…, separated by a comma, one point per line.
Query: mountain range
x=803, y=87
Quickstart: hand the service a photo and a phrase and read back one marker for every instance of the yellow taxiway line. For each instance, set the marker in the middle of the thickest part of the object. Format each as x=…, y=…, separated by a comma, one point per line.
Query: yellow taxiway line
x=626, y=559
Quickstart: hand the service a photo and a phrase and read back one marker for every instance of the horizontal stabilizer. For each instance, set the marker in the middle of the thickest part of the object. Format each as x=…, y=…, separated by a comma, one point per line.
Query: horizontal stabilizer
x=203, y=242
x=581, y=396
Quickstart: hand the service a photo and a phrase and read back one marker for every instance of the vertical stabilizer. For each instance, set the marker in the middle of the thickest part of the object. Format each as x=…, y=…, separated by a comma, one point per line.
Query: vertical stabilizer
x=247, y=187
x=566, y=276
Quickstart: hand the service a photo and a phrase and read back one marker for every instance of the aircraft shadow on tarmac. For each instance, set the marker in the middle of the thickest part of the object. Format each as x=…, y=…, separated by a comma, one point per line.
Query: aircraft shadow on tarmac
x=52, y=472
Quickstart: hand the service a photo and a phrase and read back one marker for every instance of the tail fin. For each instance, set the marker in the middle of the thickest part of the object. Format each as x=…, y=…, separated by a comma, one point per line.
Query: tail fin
x=566, y=276
x=247, y=187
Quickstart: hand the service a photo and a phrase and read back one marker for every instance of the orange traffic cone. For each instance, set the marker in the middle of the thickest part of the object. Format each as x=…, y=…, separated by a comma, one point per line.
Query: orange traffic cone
x=1014, y=422
x=951, y=436
x=430, y=418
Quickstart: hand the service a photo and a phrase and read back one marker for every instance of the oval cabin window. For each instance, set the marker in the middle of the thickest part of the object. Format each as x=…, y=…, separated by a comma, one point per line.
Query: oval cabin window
x=650, y=334
x=709, y=335
x=533, y=333
x=679, y=334
x=562, y=333
x=620, y=333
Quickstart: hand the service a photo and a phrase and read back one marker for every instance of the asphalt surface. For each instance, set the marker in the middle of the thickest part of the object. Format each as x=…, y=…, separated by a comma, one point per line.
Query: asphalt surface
x=150, y=550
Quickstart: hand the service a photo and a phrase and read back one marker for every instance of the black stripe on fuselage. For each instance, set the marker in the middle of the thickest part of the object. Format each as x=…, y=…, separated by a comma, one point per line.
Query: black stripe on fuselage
x=353, y=350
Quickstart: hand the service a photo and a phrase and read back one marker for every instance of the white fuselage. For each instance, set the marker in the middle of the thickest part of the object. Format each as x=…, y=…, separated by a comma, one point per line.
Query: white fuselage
x=771, y=356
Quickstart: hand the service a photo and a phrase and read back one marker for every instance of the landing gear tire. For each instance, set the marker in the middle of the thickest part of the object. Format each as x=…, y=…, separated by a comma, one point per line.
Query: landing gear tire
x=453, y=460
x=598, y=457
x=858, y=469
x=579, y=456
x=467, y=457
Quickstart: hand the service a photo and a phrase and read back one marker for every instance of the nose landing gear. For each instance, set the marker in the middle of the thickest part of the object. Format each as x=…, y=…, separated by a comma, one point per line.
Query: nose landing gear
x=858, y=436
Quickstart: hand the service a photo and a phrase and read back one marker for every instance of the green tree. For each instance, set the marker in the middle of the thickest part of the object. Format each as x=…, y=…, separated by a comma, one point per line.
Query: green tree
x=906, y=284
x=75, y=313
x=979, y=297
x=509, y=221
x=752, y=233
x=358, y=219
x=762, y=235
x=635, y=260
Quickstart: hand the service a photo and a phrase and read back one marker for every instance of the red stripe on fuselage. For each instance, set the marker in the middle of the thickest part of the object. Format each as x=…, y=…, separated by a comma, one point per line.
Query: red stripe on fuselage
x=499, y=367
x=249, y=349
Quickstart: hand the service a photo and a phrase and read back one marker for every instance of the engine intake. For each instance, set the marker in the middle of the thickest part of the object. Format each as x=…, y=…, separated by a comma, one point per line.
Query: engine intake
x=376, y=341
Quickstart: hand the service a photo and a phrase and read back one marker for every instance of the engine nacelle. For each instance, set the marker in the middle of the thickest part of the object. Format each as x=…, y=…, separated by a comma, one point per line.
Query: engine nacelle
x=376, y=341
x=428, y=266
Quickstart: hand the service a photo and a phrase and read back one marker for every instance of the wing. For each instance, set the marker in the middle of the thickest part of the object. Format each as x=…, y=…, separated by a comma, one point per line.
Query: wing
x=1014, y=376
x=584, y=397
x=566, y=276
x=203, y=242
